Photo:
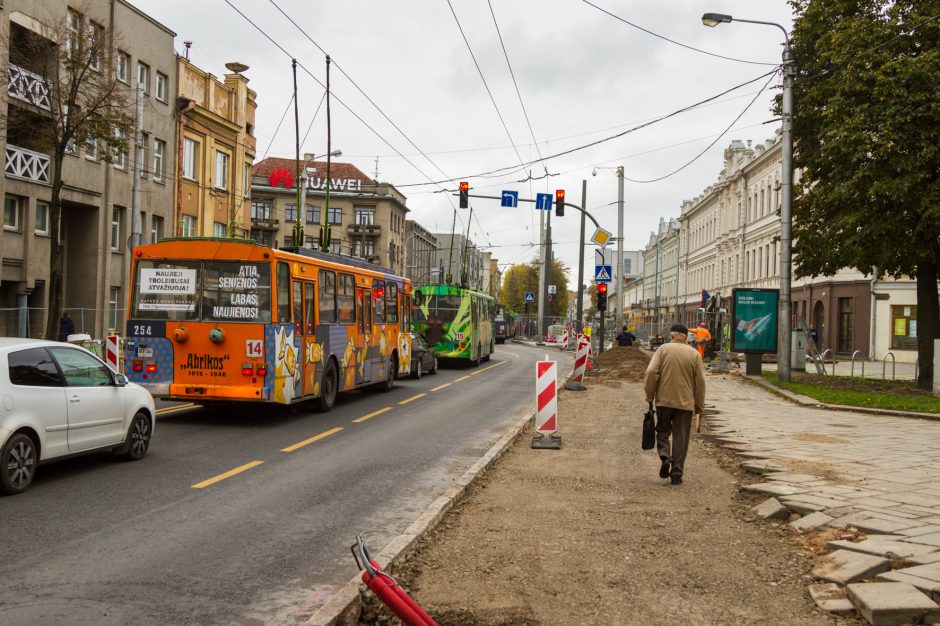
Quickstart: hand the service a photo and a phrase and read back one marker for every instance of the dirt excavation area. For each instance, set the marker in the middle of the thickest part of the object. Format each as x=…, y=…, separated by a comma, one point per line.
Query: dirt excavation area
x=590, y=534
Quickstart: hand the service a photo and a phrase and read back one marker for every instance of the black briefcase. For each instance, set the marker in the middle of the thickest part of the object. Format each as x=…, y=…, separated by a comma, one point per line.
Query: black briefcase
x=649, y=428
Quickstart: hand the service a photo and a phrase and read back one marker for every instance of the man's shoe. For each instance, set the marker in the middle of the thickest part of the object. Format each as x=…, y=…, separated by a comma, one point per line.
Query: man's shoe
x=664, y=468
x=677, y=480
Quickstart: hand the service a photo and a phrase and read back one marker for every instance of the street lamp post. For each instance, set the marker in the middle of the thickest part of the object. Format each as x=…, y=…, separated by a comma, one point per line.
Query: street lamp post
x=301, y=209
x=618, y=272
x=786, y=191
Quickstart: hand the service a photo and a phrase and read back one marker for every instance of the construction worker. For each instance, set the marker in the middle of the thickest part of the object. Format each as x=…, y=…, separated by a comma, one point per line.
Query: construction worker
x=702, y=337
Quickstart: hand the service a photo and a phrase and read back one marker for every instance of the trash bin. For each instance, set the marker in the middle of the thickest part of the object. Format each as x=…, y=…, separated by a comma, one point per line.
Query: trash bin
x=798, y=349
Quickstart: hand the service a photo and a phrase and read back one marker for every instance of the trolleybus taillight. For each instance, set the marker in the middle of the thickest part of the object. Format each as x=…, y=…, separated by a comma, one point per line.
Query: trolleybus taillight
x=150, y=367
x=262, y=371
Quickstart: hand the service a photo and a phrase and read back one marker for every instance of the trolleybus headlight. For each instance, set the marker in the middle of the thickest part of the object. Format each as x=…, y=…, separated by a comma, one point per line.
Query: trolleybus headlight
x=216, y=335
x=180, y=334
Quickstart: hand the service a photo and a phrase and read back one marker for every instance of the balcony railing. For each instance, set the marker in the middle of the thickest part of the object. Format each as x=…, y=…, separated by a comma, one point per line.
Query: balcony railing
x=29, y=87
x=28, y=165
x=264, y=222
x=370, y=230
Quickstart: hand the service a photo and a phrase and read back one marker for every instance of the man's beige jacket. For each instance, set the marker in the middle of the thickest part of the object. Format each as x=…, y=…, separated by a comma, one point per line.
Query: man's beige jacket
x=675, y=378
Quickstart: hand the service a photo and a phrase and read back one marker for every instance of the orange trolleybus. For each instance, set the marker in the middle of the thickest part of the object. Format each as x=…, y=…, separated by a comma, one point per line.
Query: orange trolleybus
x=223, y=320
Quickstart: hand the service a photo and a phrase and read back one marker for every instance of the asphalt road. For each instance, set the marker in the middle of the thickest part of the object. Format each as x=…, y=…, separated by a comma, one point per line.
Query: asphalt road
x=246, y=517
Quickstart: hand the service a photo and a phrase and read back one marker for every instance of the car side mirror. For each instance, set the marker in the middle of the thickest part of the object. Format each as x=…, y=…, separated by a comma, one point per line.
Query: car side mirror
x=120, y=380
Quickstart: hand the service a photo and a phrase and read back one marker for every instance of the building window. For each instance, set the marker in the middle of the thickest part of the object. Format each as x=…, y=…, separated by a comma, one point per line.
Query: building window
x=904, y=327
x=262, y=236
x=221, y=170
x=162, y=84
x=159, y=149
x=313, y=214
x=156, y=228
x=336, y=246
x=218, y=229
x=74, y=26
x=116, y=228
x=143, y=76
x=42, y=218
x=190, y=159
x=247, y=179
x=845, y=324
x=141, y=152
x=70, y=146
x=189, y=226
x=95, y=39
x=113, y=299
x=122, y=66
x=369, y=248
x=290, y=213
x=627, y=266
x=11, y=213
x=260, y=209
x=91, y=149
x=335, y=216
x=120, y=154
x=365, y=217
x=309, y=242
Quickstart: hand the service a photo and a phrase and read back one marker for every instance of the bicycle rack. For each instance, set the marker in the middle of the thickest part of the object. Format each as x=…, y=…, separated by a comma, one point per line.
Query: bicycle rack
x=822, y=358
x=884, y=365
x=857, y=352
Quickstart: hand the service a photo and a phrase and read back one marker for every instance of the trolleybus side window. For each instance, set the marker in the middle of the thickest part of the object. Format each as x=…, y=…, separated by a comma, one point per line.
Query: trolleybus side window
x=283, y=293
x=309, y=309
x=346, y=299
x=298, y=307
x=378, y=301
x=167, y=290
x=327, y=297
x=236, y=291
x=391, y=303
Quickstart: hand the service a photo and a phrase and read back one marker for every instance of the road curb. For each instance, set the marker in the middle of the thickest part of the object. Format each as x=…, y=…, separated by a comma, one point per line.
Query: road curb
x=807, y=401
x=345, y=606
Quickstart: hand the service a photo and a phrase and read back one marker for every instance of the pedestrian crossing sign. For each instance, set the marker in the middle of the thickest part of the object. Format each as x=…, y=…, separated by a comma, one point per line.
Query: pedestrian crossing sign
x=602, y=273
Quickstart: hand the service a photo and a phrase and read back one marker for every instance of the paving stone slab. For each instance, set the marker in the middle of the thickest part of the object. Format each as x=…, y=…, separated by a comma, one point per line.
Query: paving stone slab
x=880, y=546
x=890, y=604
x=771, y=509
x=879, y=525
x=849, y=519
x=774, y=489
x=846, y=566
x=929, y=587
x=925, y=559
x=917, y=531
x=794, y=478
x=810, y=522
x=832, y=598
x=932, y=539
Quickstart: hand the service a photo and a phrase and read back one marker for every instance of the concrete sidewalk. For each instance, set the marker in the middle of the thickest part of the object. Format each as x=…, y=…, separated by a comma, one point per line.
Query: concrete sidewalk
x=875, y=473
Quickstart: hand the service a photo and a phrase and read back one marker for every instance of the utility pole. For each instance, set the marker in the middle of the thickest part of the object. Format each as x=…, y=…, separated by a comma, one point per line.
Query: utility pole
x=136, y=231
x=540, y=312
x=618, y=314
x=548, y=269
x=298, y=228
x=325, y=228
x=786, y=215
x=580, y=312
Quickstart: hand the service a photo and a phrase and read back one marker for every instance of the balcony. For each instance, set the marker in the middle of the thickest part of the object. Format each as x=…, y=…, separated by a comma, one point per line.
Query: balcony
x=264, y=223
x=369, y=230
x=29, y=87
x=28, y=165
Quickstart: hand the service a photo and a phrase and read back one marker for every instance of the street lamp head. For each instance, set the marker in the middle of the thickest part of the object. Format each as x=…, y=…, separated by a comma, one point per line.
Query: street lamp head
x=336, y=153
x=594, y=172
x=714, y=19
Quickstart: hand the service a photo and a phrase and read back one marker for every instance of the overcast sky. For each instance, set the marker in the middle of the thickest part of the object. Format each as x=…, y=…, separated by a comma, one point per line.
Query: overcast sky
x=583, y=76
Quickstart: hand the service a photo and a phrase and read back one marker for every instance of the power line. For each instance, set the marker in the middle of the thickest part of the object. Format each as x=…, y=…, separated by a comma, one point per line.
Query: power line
x=673, y=41
x=276, y=130
x=313, y=119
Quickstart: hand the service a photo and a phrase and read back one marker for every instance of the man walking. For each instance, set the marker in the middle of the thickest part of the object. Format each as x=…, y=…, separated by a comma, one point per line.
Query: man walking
x=675, y=381
x=625, y=338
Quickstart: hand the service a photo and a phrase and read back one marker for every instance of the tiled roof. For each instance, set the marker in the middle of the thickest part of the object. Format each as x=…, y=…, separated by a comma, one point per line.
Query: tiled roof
x=338, y=171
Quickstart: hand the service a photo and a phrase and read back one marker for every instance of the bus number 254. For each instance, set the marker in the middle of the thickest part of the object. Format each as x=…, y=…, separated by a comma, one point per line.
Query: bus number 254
x=253, y=348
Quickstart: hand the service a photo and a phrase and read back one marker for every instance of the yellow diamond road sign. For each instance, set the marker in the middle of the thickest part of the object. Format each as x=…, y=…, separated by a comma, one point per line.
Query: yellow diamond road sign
x=601, y=237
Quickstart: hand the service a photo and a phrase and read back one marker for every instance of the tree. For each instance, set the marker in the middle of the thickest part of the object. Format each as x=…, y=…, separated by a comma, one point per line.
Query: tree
x=82, y=103
x=520, y=278
x=867, y=105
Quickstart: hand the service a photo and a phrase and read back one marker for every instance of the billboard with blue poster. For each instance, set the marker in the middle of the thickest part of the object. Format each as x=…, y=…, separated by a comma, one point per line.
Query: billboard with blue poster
x=754, y=315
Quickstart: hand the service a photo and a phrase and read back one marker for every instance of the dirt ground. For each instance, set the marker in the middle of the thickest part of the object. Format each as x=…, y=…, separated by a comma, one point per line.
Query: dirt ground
x=590, y=534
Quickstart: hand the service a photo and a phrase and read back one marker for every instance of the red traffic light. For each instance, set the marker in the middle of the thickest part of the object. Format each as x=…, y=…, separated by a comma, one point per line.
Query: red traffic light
x=560, y=195
x=602, y=288
x=464, y=186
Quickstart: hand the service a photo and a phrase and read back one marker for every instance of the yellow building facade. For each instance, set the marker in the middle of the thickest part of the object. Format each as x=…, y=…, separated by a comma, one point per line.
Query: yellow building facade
x=215, y=152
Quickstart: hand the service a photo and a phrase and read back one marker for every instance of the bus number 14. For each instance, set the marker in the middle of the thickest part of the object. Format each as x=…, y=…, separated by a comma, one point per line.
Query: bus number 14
x=253, y=348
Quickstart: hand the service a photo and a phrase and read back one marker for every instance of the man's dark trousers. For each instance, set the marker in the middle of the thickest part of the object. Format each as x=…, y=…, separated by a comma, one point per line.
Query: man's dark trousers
x=678, y=423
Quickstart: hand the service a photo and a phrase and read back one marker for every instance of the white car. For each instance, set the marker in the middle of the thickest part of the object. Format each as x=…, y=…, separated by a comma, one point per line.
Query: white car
x=59, y=400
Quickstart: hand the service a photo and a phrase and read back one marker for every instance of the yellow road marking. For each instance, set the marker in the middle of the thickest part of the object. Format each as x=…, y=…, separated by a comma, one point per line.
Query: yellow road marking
x=487, y=368
x=228, y=474
x=359, y=420
x=439, y=387
x=462, y=378
x=301, y=444
x=174, y=409
x=412, y=398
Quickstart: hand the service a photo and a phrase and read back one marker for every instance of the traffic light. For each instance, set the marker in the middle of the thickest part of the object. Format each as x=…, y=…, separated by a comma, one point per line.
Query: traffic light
x=559, y=203
x=602, y=296
x=464, y=194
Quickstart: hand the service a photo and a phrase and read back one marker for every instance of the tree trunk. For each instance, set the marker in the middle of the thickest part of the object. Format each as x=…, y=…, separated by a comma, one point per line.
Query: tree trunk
x=56, y=260
x=928, y=321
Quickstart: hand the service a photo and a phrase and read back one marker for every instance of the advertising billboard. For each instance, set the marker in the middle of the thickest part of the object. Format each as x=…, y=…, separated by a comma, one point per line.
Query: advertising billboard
x=754, y=327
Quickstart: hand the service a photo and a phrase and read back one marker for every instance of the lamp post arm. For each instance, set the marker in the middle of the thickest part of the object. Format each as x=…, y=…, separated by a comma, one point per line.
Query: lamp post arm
x=786, y=35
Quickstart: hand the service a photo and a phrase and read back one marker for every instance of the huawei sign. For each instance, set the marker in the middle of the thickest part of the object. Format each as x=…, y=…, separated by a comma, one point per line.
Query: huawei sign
x=281, y=177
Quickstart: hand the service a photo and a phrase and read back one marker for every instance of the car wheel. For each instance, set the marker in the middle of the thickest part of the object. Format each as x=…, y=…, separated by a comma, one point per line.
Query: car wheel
x=433, y=369
x=391, y=372
x=417, y=373
x=138, y=439
x=17, y=464
x=328, y=388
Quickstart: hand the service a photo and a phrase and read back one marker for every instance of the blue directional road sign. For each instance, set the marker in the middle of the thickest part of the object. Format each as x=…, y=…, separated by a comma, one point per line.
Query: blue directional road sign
x=510, y=199
x=602, y=273
x=529, y=296
x=544, y=201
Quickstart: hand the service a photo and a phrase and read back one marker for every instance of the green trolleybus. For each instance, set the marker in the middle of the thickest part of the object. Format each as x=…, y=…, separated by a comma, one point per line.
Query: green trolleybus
x=457, y=323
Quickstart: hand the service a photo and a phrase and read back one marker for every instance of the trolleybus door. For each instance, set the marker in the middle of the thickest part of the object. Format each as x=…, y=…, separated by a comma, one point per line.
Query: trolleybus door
x=311, y=356
x=365, y=331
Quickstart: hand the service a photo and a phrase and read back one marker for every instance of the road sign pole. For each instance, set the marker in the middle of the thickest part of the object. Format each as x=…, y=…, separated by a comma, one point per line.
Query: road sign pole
x=540, y=302
x=548, y=268
x=580, y=311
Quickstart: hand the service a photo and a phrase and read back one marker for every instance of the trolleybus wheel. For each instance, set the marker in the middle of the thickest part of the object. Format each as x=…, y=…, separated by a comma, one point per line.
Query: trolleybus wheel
x=328, y=387
x=391, y=373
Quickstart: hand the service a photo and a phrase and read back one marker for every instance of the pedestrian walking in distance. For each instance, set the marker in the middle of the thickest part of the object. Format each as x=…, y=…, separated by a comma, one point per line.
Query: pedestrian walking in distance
x=675, y=381
x=625, y=337
x=66, y=327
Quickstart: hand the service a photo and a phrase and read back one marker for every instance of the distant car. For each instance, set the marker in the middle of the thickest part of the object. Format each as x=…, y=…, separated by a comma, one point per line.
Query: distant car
x=59, y=400
x=423, y=358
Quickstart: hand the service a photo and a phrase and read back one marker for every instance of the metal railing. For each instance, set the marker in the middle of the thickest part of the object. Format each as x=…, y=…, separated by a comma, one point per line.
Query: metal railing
x=884, y=366
x=30, y=321
x=854, y=354
x=822, y=358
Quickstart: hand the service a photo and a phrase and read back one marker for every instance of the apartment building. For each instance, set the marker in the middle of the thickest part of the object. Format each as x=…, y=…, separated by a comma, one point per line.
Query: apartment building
x=215, y=151
x=366, y=218
x=459, y=256
x=420, y=251
x=99, y=220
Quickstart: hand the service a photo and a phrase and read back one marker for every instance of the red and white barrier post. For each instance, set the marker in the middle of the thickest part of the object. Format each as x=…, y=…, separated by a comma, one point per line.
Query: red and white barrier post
x=576, y=382
x=113, y=352
x=546, y=399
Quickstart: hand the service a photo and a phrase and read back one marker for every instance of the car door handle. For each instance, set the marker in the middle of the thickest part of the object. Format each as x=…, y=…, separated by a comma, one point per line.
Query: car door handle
x=74, y=399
